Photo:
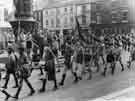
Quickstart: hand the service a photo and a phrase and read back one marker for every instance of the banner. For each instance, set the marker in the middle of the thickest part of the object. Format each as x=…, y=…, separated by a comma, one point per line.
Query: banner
x=84, y=37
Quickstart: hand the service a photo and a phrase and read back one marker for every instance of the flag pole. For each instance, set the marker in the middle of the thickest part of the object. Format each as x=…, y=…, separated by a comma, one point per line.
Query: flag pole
x=18, y=29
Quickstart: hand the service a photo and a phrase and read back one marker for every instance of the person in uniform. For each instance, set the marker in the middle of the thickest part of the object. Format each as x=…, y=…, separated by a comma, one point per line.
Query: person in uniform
x=68, y=52
x=11, y=67
x=110, y=59
x=79, y=60
x=36, y=59
x=23, y=71
x=50, y=72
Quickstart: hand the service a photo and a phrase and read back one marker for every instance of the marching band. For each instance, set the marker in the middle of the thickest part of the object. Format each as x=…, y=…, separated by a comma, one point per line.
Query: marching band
x=78, y=57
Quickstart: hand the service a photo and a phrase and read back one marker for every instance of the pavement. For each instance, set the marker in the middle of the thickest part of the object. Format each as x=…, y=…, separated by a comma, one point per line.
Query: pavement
x=118, y=87
x=127, y=94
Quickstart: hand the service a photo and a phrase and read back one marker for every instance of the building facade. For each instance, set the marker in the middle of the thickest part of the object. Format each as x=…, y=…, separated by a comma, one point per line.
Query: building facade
x=60, y=15
x=101, y=16
x=113, y=16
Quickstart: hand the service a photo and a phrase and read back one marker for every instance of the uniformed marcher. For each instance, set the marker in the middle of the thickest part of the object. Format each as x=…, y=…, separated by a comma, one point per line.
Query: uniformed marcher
x=68, y=52
x=50, y=72
x=36, y=59
x=111, y=60
x=23, y=72
x=11, y=67
x=79, y=60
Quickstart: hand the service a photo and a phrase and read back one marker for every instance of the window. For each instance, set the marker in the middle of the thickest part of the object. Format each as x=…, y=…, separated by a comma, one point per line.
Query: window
x=83, y=9
x=65, y=9
x=66, y=21
x=52, y=22
x=83, y=19
x=58, y=22
x=46, y=22
x=125, y=16
x=114, y=16
x=71, y=19
x=58, y=11
x=99, y=18
x=71, y=9
x=46, y=12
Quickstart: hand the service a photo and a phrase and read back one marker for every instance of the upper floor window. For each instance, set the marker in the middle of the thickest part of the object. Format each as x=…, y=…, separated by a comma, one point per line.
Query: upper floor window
x=58, y=22
x=84, y=19
x=84, y=8
x=52, y=22
x=125, y=16
x=46, y=12
x=99, y=19
x=65, y=9
x=71, y=9
x=47, y=23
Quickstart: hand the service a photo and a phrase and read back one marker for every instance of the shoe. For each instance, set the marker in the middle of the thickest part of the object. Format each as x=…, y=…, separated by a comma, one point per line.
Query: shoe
x=15, y=97
x=41, y=90
x=7, y=94
x=55, y=88
x=41, y=79
x=76, y=80
x=31, y=93
x=80, y=78
x=61, y=84
x=16, y=86
x=122, y=70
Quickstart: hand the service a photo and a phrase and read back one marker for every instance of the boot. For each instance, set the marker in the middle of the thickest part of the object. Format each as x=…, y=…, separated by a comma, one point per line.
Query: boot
x=7, y=94
x=55, y=86
x=122, y=67
x=43, y=86
x=63, y=79
x=76, y=78
x=31, y=93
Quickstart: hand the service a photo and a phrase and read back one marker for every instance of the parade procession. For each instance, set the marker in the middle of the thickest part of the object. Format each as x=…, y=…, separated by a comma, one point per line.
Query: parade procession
x=95, y=59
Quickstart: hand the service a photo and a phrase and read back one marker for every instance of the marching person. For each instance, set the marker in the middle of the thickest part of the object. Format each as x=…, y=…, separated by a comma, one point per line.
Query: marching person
x=110, y=59
x=79, y=62
x=68, y=52
x=23, y=72
x=29, y=44
x=11, y=67
x=50, y=72
x=36, y=59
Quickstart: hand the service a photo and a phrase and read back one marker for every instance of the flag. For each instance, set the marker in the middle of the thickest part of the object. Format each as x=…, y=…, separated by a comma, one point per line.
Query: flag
x=78, y=30
x=78, y=33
